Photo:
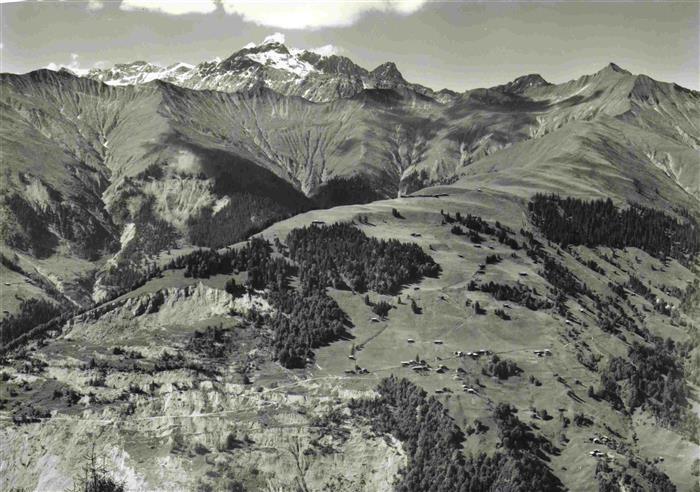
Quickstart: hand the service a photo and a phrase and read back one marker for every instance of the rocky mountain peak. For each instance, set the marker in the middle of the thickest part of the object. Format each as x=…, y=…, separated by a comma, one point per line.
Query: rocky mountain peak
x=387, y=72
x=612, y=68
x=334, y=64
x=523, y=83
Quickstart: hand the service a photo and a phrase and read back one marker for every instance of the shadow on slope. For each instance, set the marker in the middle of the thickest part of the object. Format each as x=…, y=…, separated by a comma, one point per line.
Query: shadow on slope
x=253, y=198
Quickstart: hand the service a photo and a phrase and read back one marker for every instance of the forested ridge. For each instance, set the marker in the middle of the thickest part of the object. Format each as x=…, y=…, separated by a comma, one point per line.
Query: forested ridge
x=32, y=312
x=654, y=378
x=341, y=255
x=243, y=215
x=322, y=257
x=600, y=223
x=433, y=444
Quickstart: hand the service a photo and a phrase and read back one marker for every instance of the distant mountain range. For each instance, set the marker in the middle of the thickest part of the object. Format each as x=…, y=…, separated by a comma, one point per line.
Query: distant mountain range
x=113, y=168
x=668, y=110
x=273, y=65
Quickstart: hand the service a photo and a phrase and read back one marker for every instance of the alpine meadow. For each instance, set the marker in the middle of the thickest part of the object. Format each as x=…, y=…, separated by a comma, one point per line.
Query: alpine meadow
x=281, y=270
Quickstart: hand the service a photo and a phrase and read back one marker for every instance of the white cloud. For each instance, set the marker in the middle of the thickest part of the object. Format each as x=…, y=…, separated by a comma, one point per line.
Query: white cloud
x=100, y=64
x=287, y=14
x=277, y=37
x=73, y=66
x=95, y=5
x=314, y=14
x=327, y=50
x=171, y=7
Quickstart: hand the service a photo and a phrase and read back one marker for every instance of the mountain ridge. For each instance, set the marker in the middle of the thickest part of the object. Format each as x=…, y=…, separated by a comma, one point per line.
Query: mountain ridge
x=257, y=57
x=227, y=274
x=319, y=78
x=147, y=141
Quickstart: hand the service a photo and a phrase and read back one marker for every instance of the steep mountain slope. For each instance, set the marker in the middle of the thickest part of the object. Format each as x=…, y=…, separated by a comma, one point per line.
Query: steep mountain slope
x=257, y=364
x=666, y=109
x=176, y=379
x=600, y=158
x=93, y=171
x=154, y=166
x=660, y=120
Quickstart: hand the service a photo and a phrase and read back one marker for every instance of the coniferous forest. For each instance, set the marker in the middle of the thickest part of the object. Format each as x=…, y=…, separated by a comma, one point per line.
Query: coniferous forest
x=244, y=215
x=655, y=380
x=285, y=258
x=328, y=256
x=600, y=223
x=32, y=312
x=302, y=320
x=341, y=255
x=433, y=444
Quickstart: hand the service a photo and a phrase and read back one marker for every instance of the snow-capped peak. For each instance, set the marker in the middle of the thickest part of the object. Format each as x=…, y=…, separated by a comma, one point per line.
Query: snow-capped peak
x=283, y=60
x=272, y=53
x=316, y=74
x=141, y=73
x=277, y=37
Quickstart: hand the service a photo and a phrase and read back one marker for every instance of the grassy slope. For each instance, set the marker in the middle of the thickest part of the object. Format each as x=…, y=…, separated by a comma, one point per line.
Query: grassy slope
x=380, y=348
x=445, y=317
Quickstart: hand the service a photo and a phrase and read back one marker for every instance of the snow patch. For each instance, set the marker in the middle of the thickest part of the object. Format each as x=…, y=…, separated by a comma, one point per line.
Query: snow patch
x=137, y=73
x=286, y=62
x=277, y=37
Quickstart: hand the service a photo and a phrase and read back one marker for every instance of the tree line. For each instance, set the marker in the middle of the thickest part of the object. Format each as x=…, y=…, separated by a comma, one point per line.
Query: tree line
x=243, y=215
x=329, y=256
x=32, y=312
x=433, y=444
x=341, y=256
x=600, y=223
x=655, y=380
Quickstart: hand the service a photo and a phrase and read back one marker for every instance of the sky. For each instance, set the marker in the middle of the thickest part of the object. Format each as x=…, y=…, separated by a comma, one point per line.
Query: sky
x=453, y=44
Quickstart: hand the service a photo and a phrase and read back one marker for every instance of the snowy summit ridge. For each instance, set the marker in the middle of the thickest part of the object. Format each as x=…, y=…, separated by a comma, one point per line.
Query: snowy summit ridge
x=317, y=74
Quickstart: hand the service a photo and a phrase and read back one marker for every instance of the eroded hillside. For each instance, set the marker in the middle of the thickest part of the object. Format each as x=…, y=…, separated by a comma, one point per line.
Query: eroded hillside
x=182, y=382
